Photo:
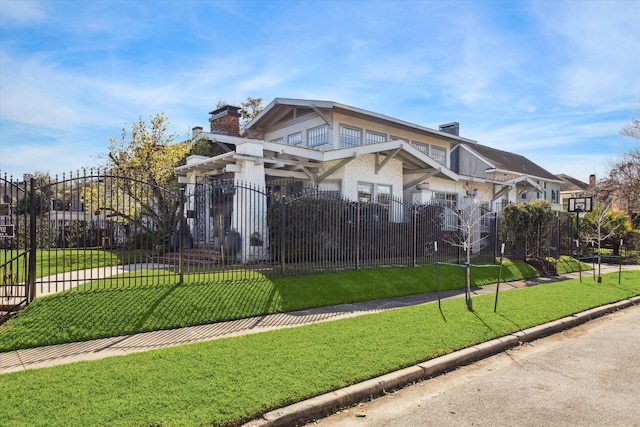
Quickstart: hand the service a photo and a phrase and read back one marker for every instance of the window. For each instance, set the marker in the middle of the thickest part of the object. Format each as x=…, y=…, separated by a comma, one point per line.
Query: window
x=397, y=138
x=318, y=136
x=375, y=137
x=451, y=199
x=485, y=217
x=450, y=216
x=350, y=136
x=294, y=138
x=555, y=196
x=365, y=192
x=381, y=193
x=439, y=154
x=330, y=188
x=421, y=147
x=278, y=140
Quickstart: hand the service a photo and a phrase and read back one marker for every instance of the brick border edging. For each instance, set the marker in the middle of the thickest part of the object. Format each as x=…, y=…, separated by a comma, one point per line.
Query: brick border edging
x=324, y=404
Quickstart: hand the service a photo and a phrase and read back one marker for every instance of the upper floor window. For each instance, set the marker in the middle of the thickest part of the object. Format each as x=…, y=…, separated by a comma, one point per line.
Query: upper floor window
x=350, y=136
x=318, y=136
x=294, y=138
x=439, y=154
x=278, y=140
x=421, y=147
x=375, y=137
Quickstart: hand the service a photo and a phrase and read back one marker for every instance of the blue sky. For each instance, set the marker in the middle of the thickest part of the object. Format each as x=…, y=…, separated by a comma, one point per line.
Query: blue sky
x=554, y=81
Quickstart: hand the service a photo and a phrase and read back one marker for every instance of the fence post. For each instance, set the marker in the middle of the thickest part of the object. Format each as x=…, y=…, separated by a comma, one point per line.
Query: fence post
x=181, y=232
x=282, y=233
x=357, y=242
x=31, y=277
x=415, y=232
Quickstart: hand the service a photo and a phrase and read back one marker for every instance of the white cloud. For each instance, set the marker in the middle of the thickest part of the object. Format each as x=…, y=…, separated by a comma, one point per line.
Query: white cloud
x=23, y=12
x=597, y=43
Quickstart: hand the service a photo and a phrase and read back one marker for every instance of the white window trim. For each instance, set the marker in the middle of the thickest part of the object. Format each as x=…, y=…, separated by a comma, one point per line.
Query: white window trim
x=441, y=150
x=325, y=128
x=383, y=136
x=352, y=128
x=289, y=138
x=375, y=193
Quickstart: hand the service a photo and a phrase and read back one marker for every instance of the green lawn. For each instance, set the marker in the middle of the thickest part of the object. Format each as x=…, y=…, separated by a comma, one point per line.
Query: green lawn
x=85, y=313
x=53, y=261
x=226, y=381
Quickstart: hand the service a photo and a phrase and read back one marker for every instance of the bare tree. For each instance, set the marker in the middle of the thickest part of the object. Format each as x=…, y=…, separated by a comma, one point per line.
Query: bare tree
x=469, y=217
x=622, y=183
x=632, y=129
x=603, y=223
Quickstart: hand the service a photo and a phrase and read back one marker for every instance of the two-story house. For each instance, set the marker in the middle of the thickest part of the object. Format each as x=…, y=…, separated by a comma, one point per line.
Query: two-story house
x=363, y=155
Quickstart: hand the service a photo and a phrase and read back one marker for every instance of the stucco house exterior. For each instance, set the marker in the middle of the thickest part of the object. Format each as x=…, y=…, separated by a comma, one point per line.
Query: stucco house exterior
x=363, y=155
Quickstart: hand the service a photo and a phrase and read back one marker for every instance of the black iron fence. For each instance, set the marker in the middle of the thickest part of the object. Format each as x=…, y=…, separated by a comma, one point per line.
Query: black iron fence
x=86, y=230
x=96, y=230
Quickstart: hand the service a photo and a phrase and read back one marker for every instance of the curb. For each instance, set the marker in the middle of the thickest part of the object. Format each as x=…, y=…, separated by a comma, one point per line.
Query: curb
x=325, y=404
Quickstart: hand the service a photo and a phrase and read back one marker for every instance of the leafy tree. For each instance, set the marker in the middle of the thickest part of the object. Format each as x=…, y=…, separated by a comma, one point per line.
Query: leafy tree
x=527, y=227
x=140, y=187
x=250, y=108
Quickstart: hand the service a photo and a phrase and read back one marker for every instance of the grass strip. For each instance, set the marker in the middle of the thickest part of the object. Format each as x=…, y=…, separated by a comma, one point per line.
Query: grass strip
x=54, y=261
x=79, y=315
x=226, y=381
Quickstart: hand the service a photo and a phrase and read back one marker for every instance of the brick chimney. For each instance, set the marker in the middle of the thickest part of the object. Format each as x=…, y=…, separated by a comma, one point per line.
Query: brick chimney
x=196, y=130
x=225, y=120
x=592, y=180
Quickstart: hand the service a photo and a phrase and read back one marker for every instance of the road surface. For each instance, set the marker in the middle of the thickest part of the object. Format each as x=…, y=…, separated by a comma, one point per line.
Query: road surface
x=587, y=376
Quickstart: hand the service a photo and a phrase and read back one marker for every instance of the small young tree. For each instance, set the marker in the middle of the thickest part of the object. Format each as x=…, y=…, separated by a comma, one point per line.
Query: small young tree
x=469, y=217
x=603, y=223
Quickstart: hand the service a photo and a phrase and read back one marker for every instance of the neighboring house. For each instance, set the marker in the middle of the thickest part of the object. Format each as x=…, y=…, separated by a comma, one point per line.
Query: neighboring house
x=572, y=188
x=365, y=156
x=505, y=177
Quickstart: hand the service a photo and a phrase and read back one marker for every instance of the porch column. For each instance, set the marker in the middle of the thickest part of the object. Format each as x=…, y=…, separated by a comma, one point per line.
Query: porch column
x=250, y=203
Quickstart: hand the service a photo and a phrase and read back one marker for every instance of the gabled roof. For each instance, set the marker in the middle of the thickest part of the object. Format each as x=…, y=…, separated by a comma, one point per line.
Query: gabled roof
x=292, y=158
x=570, y=183
x=280, y=107
x=510, y=163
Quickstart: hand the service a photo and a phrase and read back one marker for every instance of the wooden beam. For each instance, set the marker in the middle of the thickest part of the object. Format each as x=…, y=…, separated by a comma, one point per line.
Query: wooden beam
x=421, y=178
x=223, y=146
x=322, y=116
x=380, y=165
x=500, y=193
x=335, y=168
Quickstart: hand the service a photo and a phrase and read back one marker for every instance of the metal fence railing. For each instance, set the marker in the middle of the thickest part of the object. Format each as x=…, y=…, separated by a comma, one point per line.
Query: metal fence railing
x=97, y=230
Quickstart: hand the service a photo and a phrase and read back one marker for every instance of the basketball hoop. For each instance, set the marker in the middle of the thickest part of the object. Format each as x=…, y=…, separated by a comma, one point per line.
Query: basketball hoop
x=580, y=204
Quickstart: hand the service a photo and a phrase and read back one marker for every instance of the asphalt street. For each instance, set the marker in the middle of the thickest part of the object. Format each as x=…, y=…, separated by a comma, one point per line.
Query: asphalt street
x=585, y=376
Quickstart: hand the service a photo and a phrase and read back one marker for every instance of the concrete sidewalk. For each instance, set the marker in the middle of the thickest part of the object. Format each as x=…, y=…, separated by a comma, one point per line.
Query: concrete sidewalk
x=117, y=346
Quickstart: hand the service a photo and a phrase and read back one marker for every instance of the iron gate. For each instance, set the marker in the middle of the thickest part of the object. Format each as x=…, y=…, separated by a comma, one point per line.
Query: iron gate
x=90, y=230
